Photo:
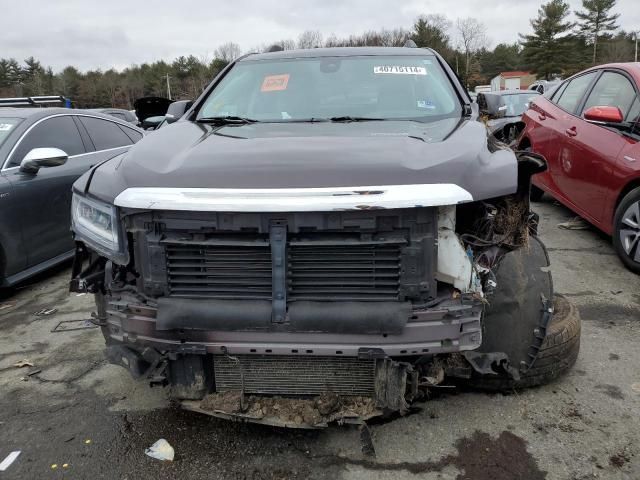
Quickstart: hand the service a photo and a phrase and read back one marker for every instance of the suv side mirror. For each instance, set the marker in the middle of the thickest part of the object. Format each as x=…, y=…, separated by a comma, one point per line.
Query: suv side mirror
x=177, y=109
x=604, y=113
x=42, y=157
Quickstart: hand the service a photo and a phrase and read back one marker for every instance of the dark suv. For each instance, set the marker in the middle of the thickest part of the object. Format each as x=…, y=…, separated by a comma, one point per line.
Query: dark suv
x=324, y=235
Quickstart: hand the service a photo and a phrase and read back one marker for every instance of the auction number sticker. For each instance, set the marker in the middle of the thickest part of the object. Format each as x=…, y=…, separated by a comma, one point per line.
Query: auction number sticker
x=275, y=83
x=399, y=70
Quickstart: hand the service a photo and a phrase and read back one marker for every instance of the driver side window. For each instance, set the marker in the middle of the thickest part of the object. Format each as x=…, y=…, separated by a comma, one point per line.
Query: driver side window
x=573, y=93
x=56, y=132
x=612, y=90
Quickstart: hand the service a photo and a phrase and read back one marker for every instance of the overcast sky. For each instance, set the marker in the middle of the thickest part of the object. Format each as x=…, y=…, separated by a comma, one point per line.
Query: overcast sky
x=116, y=33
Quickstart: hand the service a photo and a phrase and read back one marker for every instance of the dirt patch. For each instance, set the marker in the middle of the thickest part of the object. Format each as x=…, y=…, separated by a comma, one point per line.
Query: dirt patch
x=614, y=356
x=482, y=458
x=619, y=459
x=479, y=457
x=612, y=391
x=606, y=313
x=319, y=410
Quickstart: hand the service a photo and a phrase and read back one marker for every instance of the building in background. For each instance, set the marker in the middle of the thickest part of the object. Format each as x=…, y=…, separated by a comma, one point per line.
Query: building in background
x=512, y=81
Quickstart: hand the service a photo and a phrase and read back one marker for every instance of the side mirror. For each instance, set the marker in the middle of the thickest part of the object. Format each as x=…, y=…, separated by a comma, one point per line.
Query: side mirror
x=151, y=123
x=604, y=114
x=177, y=109
x=42, y=157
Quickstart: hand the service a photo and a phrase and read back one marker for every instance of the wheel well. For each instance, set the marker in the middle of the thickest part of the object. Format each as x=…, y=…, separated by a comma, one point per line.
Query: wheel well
x=633, y=184
x=524, y=143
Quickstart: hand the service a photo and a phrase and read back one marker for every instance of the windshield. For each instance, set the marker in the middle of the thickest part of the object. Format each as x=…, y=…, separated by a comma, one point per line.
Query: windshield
x=385, y=87
x=6, y=127
x=516, y=104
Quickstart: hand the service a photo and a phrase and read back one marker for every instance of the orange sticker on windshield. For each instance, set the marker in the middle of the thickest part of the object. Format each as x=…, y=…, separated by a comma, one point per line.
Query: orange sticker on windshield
x=274, y=83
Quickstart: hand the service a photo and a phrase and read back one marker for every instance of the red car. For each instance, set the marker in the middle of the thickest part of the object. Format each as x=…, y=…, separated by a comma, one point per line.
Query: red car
x=589, y=132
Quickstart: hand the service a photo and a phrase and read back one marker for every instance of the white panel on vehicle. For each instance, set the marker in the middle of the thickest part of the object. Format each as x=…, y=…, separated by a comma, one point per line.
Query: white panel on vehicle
x=293, y=199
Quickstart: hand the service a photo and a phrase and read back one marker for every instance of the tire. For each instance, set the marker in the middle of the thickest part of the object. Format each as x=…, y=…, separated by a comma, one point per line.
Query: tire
x=557, y=354
x=627, y=214
x=536, y=194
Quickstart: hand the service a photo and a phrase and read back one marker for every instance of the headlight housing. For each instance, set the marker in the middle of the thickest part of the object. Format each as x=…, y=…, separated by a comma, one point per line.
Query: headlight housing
x=96, y=224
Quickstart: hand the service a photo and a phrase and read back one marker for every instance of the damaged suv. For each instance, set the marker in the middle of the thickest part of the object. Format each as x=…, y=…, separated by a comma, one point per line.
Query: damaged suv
x=324, y=235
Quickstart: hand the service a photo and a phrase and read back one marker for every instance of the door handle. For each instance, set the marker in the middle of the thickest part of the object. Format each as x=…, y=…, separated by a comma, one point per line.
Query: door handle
x=542, y=116
x=572, y=132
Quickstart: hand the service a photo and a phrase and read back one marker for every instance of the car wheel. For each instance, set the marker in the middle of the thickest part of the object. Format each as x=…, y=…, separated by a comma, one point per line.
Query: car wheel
x=626, y=234
x=536, y=194
x=524, y=347
x=558, y=353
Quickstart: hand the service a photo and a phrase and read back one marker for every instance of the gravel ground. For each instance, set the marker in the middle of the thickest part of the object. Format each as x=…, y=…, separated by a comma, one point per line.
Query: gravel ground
x=91, y=420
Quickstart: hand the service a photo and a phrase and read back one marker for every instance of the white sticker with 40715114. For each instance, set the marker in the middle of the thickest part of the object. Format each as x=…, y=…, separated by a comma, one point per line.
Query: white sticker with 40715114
x=400, y=70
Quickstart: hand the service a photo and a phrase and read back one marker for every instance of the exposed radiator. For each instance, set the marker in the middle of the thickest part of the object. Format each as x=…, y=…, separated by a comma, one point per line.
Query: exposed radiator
x=295, y=375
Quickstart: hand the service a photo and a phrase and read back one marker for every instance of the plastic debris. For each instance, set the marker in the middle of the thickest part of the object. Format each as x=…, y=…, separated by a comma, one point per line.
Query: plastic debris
x=71, y=325
x=87, y=441
x=6, y=305
x=161, y=450
x=635, y=387
x=65, y=465
x=46, y=311
x=54, y=466
x=9, y=459
x=23, y=363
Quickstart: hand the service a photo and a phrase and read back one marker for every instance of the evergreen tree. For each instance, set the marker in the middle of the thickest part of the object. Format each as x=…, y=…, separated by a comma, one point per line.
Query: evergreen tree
x=431, y=31
x=546, y=51
x=503, y=58
x=596, y=20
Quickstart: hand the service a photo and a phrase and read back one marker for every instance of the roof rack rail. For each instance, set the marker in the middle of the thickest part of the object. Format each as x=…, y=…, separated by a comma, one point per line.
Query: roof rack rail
x=38, y=101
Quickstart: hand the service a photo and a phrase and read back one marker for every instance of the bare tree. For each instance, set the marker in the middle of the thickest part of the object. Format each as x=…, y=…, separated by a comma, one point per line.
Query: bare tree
x=286, y=44
x=396, y=37
x=473, y=38
x=617, y=50
x=227, y=52
x=310, y=39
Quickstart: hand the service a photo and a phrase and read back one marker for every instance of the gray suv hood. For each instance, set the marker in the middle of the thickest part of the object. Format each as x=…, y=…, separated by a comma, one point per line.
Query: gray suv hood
x=306, y=155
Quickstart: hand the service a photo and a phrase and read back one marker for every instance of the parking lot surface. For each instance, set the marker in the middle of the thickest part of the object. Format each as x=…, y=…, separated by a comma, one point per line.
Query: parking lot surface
x=79, y=417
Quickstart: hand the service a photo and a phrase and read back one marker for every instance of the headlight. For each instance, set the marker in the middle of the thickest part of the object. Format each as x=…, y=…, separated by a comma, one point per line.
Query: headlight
x=96, y=224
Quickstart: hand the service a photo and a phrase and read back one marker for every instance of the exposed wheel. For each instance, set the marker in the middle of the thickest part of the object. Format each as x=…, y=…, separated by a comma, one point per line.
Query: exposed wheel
x=515, y=319
x=626, y=234
x=557, y=354
x=536, y=194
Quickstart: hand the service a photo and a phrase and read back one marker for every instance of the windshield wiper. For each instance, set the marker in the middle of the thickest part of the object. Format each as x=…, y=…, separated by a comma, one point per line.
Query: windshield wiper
x=226, y=120
x=348, y=118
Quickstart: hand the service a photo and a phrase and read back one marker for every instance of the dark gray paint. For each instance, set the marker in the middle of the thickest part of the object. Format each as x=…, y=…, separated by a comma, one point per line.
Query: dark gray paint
x=289, y=155
x=35, y=208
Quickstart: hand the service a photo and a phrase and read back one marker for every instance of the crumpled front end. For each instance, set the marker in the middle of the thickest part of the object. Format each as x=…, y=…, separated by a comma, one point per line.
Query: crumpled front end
x=301, y=318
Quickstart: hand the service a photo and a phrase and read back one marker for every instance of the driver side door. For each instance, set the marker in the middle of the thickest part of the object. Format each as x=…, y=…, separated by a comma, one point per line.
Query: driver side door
x=593, y=150
x=43, y=199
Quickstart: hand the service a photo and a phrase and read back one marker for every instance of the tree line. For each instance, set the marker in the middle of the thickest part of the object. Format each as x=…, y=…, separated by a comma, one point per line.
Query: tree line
x=556, y=46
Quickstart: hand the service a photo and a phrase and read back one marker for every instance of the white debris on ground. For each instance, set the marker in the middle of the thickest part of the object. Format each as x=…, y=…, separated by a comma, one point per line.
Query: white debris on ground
x=161, y=450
